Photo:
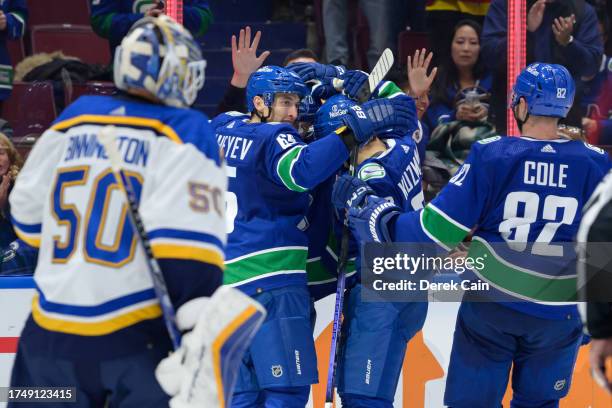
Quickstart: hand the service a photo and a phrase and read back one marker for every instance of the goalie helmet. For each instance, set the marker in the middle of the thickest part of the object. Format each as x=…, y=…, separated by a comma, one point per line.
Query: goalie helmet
x=271, y=80
x=159, y=55
x=548, y=90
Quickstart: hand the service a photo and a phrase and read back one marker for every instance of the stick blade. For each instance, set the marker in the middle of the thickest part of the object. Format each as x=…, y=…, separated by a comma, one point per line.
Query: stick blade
x=382, y=67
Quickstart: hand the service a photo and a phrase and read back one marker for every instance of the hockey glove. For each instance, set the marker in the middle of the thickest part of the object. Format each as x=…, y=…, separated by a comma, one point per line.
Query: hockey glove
x=323, y=89
x=355, y=83
x=374, y=221
x=202, y=372
x=313, y=70
x=350, y=192
x=362, y=128
x=391, y=114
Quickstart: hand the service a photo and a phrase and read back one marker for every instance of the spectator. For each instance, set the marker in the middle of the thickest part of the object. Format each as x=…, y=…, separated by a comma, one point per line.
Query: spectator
x=464, y=69
x=335, y=22
x=13, y=19
x=301, y=55
x=597, y=99
x=443, y=15
x=10, y=164
x=112, y=19
x=245, y=61
x=561, y=32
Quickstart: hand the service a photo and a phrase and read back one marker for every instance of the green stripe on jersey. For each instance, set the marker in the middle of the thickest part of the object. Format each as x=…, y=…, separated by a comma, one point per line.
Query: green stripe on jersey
x=317, y=272
x=441, y=227
x=278, y=260
x=523, y=283
x=389, y=90
x=285, y=166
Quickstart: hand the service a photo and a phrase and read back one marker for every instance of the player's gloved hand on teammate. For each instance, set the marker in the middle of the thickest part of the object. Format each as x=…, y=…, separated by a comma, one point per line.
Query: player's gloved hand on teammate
x=395, y=114
x=373, y=220
x=354, y=82
x=313, y=70
x=349, y=192
x=322, y=89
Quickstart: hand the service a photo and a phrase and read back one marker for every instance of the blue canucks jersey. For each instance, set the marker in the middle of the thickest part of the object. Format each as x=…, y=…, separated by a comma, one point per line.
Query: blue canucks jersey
x=270, y=171
x=525, y=198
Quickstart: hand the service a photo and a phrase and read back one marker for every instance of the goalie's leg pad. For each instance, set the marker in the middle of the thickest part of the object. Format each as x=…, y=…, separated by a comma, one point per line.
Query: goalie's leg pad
x=377, y=335
x=373, y=353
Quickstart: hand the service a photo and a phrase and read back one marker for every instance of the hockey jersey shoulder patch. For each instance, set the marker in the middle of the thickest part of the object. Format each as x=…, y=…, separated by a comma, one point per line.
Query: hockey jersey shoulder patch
x=594, y=148
x=489, y=140
x=371, y=171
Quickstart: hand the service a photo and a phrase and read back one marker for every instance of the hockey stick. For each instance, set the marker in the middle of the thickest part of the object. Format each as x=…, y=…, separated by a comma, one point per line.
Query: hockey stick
x=382, y=67
x=107, y=138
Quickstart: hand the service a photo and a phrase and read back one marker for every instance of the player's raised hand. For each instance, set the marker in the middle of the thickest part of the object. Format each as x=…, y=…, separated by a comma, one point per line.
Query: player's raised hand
x=418, y=65
x=309, y=71
x=353, y=81
x=244, y=56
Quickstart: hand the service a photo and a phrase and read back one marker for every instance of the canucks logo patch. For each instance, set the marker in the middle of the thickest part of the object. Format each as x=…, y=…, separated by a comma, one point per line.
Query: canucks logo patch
x=489, y=140
x=371, y=171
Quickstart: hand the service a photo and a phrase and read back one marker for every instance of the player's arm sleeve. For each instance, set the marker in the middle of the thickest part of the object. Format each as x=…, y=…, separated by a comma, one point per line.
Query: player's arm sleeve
x=31, y=190
x=184, y=213
x=16, y=19
x=197, y=17
x=233, y=100
x=299, y=166
x=448, y=218
x=109, y=22
x=494, y=34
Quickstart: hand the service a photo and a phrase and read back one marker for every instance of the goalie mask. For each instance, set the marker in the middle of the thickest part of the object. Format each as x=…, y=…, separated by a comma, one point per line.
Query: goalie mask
x=159, y=56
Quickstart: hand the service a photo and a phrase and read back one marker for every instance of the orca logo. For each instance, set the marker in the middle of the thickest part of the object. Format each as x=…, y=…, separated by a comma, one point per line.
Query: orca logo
x=559, y=385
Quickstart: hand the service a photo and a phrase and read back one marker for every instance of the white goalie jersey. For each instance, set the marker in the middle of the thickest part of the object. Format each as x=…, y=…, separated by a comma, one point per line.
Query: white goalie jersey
x=91, y=277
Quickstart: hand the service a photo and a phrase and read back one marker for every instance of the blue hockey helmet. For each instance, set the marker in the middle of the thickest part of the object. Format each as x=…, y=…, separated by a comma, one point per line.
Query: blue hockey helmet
x=548, y=90
x=158, y=55
x=271, y=80
x=329, y=116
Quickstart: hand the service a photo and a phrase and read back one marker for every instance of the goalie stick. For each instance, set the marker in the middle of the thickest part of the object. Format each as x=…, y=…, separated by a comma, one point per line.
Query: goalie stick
x=382, y=67
x=107, y=138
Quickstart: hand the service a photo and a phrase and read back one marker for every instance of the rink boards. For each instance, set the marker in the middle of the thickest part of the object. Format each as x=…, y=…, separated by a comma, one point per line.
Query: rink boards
x=425, y=364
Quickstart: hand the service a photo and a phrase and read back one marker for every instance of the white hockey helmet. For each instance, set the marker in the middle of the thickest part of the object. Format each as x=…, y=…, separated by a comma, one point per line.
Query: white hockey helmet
x=159, y=55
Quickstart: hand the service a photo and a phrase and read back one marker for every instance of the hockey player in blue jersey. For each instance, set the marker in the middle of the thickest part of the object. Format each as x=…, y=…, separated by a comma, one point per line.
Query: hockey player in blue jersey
x=96, y=322
x=270, y=172
x=376, y=333
x=524, y=195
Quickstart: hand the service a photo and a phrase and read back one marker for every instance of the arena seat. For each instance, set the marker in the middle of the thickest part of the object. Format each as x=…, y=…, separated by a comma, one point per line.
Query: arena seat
x=74, y=91
x=410, y=41
x=30, y=109
x=16, y=50
x=75, y=40
x=51, y=12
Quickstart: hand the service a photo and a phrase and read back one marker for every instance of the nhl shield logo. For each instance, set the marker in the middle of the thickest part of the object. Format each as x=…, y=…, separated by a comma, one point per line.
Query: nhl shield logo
x=559, y=385
x=277, y=371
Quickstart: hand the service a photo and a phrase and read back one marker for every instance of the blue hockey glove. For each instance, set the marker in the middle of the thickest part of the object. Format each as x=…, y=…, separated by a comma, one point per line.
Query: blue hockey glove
x=373, y=221
x=349, y=192
x=362, y=128
x=391, y=114
x=313, y=70
x=354, y=81
x=323, y=89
